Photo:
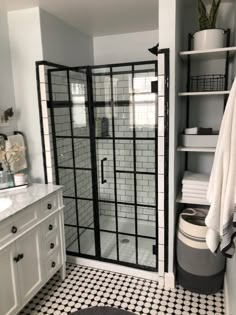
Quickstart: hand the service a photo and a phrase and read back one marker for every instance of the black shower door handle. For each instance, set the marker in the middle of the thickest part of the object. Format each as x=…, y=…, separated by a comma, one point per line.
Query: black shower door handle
x=102, y=170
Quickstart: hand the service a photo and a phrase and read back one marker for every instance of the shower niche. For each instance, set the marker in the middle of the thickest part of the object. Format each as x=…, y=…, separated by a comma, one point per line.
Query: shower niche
x=107, y=144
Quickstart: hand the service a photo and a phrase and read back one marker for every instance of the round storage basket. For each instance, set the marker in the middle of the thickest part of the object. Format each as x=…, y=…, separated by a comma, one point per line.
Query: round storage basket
x=198, y=270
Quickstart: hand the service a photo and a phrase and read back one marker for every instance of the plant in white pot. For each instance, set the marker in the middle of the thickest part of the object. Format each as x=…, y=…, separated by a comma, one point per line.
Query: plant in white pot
x=209, y=37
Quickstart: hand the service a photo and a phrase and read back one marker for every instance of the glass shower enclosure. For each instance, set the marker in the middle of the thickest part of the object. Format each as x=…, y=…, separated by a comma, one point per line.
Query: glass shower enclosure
x=108, y=135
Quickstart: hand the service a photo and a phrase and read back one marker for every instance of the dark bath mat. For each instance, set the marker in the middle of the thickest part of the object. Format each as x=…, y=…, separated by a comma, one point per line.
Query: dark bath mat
x=102, y=311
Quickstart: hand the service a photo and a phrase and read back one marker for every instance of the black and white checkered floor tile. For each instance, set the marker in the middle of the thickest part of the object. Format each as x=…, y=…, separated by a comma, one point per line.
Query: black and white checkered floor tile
x=86, y=287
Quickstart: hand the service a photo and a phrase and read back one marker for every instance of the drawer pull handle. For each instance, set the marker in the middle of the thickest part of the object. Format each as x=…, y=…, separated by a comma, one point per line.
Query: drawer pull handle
x=53, y=264
x=21, y=256
x=52, y=245
x=49, y=206
x=16, y=259
x=50, y=227
x=14, y=229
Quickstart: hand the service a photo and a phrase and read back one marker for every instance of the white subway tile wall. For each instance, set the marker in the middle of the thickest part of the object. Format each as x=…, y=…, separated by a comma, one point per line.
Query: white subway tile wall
x=85, y=213
x=70, y=218
x=78, y=151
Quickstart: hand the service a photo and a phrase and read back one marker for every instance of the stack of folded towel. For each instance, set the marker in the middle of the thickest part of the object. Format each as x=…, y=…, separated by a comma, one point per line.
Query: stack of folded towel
x=194, y=186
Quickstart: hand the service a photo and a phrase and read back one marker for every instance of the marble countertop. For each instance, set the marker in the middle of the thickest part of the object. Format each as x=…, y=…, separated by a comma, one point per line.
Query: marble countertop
x=25, y=197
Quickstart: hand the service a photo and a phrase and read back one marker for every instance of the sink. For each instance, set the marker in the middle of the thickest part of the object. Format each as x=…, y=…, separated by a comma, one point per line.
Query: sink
x=5, y=203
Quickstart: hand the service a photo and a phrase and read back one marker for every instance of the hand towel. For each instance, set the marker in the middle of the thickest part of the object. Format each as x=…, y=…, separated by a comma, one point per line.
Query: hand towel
x=21, y=163
x=221, y=189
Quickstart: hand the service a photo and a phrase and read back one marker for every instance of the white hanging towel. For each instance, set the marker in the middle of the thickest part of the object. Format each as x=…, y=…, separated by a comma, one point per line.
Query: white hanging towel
x=222, y=184
x=21, y=163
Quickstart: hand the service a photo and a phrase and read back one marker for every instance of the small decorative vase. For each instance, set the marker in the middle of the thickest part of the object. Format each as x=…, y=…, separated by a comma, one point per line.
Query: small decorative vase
x=10, y=179
x=3, y=180
x=19, y=179
x=209, y=39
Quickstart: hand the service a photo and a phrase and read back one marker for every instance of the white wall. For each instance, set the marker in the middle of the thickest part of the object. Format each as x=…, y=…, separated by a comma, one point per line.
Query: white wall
x=124, y=47
x=26, y=48
x=64, y=44
x=36, y=35
x=6, y=79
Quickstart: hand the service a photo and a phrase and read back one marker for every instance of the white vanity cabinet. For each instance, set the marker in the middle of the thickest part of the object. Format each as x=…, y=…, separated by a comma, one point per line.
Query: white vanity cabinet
x=32, y=248
x=30, y=271
x=9, y=292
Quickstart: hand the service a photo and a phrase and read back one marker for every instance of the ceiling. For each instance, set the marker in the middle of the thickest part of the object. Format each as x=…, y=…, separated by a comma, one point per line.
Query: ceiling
x=99, y=17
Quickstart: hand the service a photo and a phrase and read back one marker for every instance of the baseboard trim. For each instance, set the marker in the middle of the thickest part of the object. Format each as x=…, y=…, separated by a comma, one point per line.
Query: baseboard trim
x=169, y=280
x=154, y=276
x=226, y=296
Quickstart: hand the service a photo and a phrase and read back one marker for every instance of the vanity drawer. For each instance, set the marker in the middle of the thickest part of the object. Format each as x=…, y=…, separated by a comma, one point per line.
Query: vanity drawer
x=50, y=204
x=50, y=226
x=14, y=226
x=53, y=263
x=52, y=244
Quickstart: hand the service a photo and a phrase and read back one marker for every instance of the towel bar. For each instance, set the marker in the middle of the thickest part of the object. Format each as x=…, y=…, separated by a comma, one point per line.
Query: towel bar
x=18, y=133
x=15, y=133
x=3, y=136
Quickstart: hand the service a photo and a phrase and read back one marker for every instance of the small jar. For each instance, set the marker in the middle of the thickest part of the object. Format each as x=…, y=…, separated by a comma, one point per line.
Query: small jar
x=19, y=179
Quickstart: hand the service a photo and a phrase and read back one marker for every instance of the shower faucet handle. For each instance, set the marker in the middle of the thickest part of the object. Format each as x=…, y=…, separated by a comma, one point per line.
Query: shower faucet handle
x=103, y=181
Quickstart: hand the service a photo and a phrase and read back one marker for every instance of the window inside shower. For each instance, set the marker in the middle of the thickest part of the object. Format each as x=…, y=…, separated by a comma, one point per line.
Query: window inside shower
x=108, y=134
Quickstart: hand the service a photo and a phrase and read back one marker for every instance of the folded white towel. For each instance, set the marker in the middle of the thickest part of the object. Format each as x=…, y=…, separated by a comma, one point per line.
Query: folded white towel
x=222, y=184
x=195, y=178
x=194, y=196
x=195, y=192
x=21, y=163
x=199, y=188
x=196, y=184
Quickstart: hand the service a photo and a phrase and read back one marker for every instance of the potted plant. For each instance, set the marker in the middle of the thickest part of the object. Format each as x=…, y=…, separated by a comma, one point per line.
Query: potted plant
x=209, y=37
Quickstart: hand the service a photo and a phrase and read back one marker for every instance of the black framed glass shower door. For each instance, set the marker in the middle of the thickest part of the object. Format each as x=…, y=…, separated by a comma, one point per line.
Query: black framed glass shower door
x=105, y=144
x=73, y=150
x=126, y=146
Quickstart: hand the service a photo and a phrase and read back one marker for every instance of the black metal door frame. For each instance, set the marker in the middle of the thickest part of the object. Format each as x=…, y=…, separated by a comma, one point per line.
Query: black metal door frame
x=69, y=104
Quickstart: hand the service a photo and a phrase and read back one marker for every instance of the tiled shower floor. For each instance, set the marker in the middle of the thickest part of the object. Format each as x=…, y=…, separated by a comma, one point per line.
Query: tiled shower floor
x=126, y=242
x=87, y=287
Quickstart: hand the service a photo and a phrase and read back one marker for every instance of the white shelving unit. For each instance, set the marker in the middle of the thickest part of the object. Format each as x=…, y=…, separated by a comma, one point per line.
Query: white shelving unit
x=202, y=55
x=195, y=149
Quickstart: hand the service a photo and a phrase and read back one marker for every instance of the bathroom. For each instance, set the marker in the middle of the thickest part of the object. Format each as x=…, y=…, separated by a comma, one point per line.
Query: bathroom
x=121, y=195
